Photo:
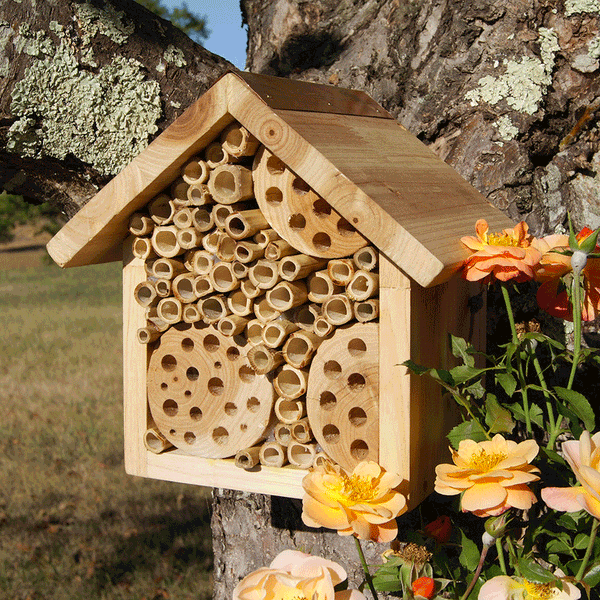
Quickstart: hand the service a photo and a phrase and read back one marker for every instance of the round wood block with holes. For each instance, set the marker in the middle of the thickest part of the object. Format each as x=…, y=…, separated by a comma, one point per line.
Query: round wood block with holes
x=203, y=395
x=342, y=401
x=298, y=214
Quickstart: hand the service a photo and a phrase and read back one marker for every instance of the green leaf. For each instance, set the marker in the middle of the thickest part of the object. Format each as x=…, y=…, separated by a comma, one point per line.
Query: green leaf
x=581, y=541
x=469, y=555
x=592, y=575
x=579, y=405
x=535, y=413
x=387, y=586
x=573, y=244
x=558, y=546
x=534, y=572
x=497, y=418
x=508, y=382
x=414, y=367
x=469, y=430
x=568, y=522
x=464, y=373
x=461, y=349
x=442, y=376
x=476, y=390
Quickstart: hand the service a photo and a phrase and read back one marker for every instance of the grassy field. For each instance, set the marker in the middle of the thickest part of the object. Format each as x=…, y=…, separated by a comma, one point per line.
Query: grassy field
x=73, y=525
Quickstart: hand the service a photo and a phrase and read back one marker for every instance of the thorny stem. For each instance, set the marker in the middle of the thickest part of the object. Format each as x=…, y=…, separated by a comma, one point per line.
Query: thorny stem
x=365, y=568
x=484, y=552
x=588, y=552
x=576, y=300
x=500, y=552
x=515, y=339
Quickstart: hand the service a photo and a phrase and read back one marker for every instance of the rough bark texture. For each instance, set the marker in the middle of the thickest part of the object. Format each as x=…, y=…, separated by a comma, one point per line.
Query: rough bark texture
x=506, y=92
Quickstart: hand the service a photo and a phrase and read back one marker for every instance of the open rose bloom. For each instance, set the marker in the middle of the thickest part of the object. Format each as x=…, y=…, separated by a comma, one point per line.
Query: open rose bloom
x=510, y=255
x=364, y=503
x=503, y=587
x=554, y=271
x=583, y=457
x=294, y=575
x=492, y=475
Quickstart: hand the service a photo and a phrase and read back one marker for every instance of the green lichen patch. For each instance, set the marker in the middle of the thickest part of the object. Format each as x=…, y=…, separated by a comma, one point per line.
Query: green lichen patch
x=103, y=119
x=594, y=47
x=524, y=82
x=175, y=56
x=506, y=128
x=108, y=22
x=573, y=7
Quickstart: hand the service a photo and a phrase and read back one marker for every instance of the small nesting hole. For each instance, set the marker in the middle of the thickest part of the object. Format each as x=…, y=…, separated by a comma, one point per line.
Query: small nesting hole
x=357, y=416
x=246, y=374
x=170, y=408
x=192, y=374
x=274, y=195
x=195, y=413
x=187, y=393
x=253, y=404
x=187, y=344
x=321, y=208
x=359, y=449
x=331, y=434
x=163, y=386
x=300, y=186
x=243, y=427
x=230, y=409
x=321, y=241
x=345, y=228
x=297, y=222
x=232, y=353
x=357, y=347
x=356, y=382
x=274, y=165
x=168, y=362
x=211, y=343
x=172, y=432
x=215, y=386
x=332, y=369
x=327, y=400
x=189, y=437
x=217, y=365
x=220, y=436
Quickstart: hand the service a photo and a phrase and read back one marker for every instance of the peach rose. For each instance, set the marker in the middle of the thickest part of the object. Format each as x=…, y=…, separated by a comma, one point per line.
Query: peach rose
x=492, y=476
x=363, y=503
x=583, y=457
x=510, y=255
x=504, y=587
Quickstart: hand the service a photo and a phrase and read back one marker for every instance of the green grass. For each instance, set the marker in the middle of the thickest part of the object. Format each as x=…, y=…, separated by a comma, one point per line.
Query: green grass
x=73, y=525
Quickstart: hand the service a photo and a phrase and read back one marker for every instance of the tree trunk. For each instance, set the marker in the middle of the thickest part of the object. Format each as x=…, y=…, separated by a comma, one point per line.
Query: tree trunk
x=504, y=92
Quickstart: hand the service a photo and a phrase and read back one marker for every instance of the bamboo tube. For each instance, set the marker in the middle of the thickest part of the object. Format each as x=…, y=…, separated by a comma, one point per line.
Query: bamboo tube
x=341, y=270
x=283, y=434
x=248, y=458
x=299, y=266
x=286, y=295
x=215, y=155
x=226, y=248
x=145, y=294
x=238, y=141
x=249, y=289
x=223, y=278
x=164, y=241
x=289, y=411
x=365, y=258
x=167, y=268
x=321, y=287
x=264, y=237
x=240, y=225
x=301, y=455
x=148, y=334
x=322, y=327
x=150, y=312
x=149, y=266
x=142, y=248
x=278, y=249
x=306, y=314
x=203, y=219
x=291, y=382
x=202, y=286
x=264, y=274
x=240, y=270
x=210, y=242
x=275, y=332
x=367, y=310
x=272, y=454
x=232, y=325
x=230, y=183
x=189, y=238
x=321, y=460
x=183, y=288
x=213, y=308
x=140, y=224
x=264, y=311
x=155, y=441
x=301, y=432
x=222, y=211
x=239, y=304
x=264, y=360
x=183, y=219
x=161, y=209
x=254, y=332
x=195, y=170
x=247, y=252
x=169, y=310
x=157, y=322
x=198, y=194
x=199, y=261
x=191, y=313
x=363, y=285
x=179, y=189
x=300, y=347
x=338, y=309
x=163, y=288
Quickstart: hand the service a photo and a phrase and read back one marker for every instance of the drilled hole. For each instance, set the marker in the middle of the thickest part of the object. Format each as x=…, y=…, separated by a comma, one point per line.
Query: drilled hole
x=356, y=382
x=357, y=347
x=187, y=344
x=331, y=434
x=170, y=408
x=327, y=400
x=243, y=427
x=168, y=362
x=275, y=166
x=192, y=374
x=297, y=222
x=232, y=353
x=321, y=208
x=253, y=404
x=230, y=409
x=359, y=449
x=187, y=393
x=218, y=365
x=215, y=386
x=211, y=343
x=189, y=437
x=332, y=369
x=274, y=195
x=345, y=228
x=321, y=241
x=195, y=413
x=300, y=186
x=220, y=436
x=163, y=386
x=357, y=416
x=246, y=374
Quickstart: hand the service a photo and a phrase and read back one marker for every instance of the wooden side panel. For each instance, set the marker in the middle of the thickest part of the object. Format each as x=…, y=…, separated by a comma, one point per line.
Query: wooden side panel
x=101, y=224
x=135, y=360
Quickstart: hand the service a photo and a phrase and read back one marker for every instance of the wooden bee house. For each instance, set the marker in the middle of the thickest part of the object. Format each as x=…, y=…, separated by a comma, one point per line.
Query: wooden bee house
x=285, y=246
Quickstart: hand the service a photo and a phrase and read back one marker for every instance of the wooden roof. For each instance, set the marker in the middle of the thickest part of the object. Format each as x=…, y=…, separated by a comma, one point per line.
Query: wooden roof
x=406, y=201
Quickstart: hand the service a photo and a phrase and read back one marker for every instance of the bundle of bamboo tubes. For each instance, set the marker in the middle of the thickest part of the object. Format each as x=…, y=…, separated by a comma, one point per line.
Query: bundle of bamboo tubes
x=212, y=255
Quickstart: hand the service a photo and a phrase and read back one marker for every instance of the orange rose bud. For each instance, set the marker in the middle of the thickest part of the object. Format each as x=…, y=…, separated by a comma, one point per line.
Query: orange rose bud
x=424, y=586
x=440, y=529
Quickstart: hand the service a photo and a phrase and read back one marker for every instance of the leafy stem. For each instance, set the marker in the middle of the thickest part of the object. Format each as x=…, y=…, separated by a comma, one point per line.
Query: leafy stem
x=365, y=567
x=500, y=552
x=484, y=551
x=588, y=552
x=576, y=301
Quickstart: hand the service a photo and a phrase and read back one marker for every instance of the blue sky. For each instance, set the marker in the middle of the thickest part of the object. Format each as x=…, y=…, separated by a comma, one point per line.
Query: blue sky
x=224, y=18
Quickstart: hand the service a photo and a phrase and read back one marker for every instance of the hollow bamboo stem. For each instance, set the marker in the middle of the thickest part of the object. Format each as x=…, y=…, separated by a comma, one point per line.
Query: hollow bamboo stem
x=249, y=289
x=202, y=287
x=338, y=310
x=365, y=258
x=148, y=334
x=140, y=224
x=213, y=308
x=161, y=209
x=183, y=288
x=283, y=434
x=264, y=311
x=230, y=183
x=167, y=268
x=189, y=238
x=301, y=432
x=289, y=411
x=195, y=171
x=169, y=310
x=263, y=359
x=244, y=224
x=179, y=190
x=278, y=249
x=210, y=242
x=240, y=270
x=341, y=270
x=232, y=325
x=363, y=285
x=240, y=304
x=322, y=327
x=247, y=252
x=223, y=278
x=158, y=323
x=142, y=248
x=321, y=287
x=254, y=332
x=299, y=266
x=275, y=332
x=183, y=218
x=145, y=294
x=306, y=314
x=226, y=248
x=203, y=219
x=367, y=310
x=300, y=348
x=272, y=454
x=264, y=274
x=248, y=458
x=164, y=241
x=301, y=455
x=291, y=382
x=287, y=294
x=222, y=211
x=191, y=314
x=163, y=287
x=198, y=194
x=238, y=141
x=155, y=441
x=215, y=155
x=199, y=261
x=264, y=237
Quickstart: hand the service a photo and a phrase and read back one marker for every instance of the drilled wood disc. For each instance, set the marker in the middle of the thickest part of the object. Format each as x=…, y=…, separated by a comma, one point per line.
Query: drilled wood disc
x=203, y=395
x=298, y=214
x=342, y=401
